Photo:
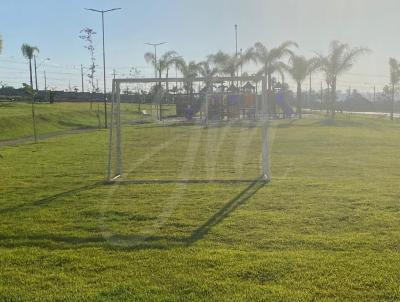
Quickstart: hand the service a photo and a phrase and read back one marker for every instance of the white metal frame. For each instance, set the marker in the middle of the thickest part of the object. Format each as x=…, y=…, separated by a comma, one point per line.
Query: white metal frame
x=115, y=121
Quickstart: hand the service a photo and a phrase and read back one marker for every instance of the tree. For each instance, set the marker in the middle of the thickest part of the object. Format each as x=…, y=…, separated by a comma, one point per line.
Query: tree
x=87, y=36
x=150, y=58
x=270, y=61
x=163, y=64
x=189, y=71
x=32, y=93
x=340, y=59
x=167, y=60
x=299, y=68
x=225, y=63
x=394, y=81
x=206, y=71
x=28, y=52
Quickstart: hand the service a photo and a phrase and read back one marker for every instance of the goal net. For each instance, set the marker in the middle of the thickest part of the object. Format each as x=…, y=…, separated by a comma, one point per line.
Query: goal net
x=202, y=134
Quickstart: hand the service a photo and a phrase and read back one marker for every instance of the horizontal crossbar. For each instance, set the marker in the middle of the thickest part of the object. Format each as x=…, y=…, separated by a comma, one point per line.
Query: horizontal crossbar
x=183, y=80
x=184, y=181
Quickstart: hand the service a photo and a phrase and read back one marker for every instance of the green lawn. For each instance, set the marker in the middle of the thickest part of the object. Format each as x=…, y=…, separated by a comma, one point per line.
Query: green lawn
x=16, y=118
x=327, y=228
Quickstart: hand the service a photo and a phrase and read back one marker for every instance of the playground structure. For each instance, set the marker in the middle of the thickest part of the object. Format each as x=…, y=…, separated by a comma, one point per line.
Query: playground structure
x=212, y=99
x=213, y=105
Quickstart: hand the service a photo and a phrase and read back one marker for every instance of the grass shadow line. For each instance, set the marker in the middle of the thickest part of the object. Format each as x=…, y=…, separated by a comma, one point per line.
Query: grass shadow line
x=227, y=209
x=47, y=200
x=119, y=241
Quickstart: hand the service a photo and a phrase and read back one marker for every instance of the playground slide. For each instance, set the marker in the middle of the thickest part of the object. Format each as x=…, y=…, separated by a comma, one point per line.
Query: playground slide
x=287, y=110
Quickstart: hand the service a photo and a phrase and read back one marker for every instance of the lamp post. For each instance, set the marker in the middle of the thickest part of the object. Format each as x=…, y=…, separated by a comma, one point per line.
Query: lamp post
x=104, y=57
x=36, y=68
x=155, y=45
x=236, y=38
x=236, y=50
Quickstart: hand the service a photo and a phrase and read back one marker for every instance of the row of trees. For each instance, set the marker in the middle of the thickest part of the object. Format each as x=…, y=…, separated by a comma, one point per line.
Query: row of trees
x=279, y=60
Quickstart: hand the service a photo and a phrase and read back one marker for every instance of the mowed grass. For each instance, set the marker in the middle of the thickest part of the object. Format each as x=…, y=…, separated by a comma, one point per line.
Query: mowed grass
x=327, y=228
x=16, y=118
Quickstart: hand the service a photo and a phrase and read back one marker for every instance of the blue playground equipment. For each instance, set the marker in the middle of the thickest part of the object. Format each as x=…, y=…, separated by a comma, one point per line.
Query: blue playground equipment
x=280, y=101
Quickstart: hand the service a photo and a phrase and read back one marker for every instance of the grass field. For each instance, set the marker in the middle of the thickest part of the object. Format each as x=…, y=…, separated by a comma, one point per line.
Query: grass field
x=327, y=228
x=16, y=118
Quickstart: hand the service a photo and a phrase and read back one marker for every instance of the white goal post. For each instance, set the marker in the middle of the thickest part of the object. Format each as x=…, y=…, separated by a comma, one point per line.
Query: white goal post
x=115, y=157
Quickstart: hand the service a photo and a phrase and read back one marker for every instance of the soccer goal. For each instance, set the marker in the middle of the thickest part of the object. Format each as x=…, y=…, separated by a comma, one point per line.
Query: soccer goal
x=198, y=130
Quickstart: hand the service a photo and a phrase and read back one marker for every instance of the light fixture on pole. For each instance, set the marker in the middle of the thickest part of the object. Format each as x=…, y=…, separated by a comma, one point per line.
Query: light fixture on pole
x=155, y=70
x=236, y=51
x=155, y=45
x=104, y=57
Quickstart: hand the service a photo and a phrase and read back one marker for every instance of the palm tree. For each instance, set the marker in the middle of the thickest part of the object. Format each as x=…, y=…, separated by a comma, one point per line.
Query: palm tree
x=189, y=71
x=150, y=58
x=227, y=64
x=206, y=71
x=340, y=59
x=28, y=52
x=162, y=64
x=299, y=68
x=270, y=59
x=165, y=62
x=394, y=81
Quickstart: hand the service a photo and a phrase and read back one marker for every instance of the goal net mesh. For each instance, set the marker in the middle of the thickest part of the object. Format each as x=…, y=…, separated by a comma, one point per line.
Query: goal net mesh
x=151, y=141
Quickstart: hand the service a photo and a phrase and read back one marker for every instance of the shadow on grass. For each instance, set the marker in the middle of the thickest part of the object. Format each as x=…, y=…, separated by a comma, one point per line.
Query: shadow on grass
x=48, y=200
x=179, y=181
x=228, y=208
x=120, y=241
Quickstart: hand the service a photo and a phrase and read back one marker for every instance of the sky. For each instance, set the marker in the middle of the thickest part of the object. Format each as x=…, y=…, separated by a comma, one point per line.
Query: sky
x=193, y=28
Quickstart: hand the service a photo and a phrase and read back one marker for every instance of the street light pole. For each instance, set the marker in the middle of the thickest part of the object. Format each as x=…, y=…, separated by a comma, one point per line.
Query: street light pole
x=236, y=51
x=36, y=68
x=236, y=38
x=104, y=57
x=155, y=67
x=155, y=45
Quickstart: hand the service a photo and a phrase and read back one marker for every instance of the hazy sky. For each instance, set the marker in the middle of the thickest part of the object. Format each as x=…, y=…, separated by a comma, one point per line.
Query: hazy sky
x=195, y=28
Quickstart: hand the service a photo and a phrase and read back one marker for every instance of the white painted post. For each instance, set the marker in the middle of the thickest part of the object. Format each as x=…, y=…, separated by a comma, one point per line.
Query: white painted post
x=206, y=109
x=119, y=143
x=110, y=140
x=265, y=135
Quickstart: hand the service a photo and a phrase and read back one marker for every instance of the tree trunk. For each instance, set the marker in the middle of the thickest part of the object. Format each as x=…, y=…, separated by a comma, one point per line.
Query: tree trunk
x=167, y=86
x=33, y=102
x=328, y=98
x=271, y=101
x=333, y=98
x=30, y=72
x=392, y=105
x=299, y=100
